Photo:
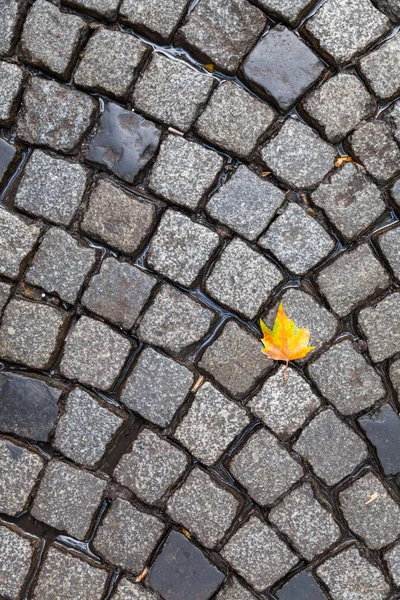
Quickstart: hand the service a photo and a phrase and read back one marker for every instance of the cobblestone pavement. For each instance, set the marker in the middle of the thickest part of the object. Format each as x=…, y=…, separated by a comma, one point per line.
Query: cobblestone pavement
x=168, y=173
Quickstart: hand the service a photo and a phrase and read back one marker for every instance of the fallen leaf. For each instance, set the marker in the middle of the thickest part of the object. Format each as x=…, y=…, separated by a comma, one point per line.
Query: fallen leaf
x=374, y=496
x=266, y=173
x=142, y=575
x=197, y=384
x=285, y=341
x=186, y=532
x=209, y=67
x=343, y=159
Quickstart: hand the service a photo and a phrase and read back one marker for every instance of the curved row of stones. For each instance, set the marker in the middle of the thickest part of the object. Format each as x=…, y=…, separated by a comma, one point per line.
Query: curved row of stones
x=141, y=426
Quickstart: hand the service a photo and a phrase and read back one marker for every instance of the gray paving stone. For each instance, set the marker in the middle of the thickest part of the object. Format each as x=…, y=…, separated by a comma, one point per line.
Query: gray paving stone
x=5, y=291
x=395, y=375
x=151, y=467
x=51, y=39
x=110, y=62
x=171, y=91
x=381, y=70
x=65, y=576
x=119, y=292
x=84, y=418
x=211, y=424
x=30, y=333
x=17, y=238
x=393, y=560
x=156, y=387
x=346, y=379
x=242, y=366
x=51, y=188
x=390, y=244
x=307, y=523
x=119, y=219
x=204, y=508
x=8, y=156
x=338, y=105
x=284, y=405
x=265, y=468
x=345, y=28
x=15, y=561
x=222, y=32
x=94, y=354
x=19, y=472
x=174, y=321
x=379, y=325
x=127, y=536
x=246, y=553
x=127, y=590
x=383, y=431
x=302, y=586
x=246, y=203
x=392, y=117
x=10, y=18
x=11, y=78
x=350, y=575
x=290, y=10
x=234, y=590
x=181, y=247
x=297, y=239
x=343, y=448
x=377, y=522
x=354, y=276
x=373, y=145
x=107, y=9
x=54, y=115
x=61, y=264
x=157, y=18
x=282, y=67
x=234, y=120
x=68, y=498
x=298, y=156
x=184, y=171
x=351, y=201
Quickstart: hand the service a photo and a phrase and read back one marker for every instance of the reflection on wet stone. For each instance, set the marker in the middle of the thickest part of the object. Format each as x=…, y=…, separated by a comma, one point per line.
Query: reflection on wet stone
x=7, y=155
x=383, y=430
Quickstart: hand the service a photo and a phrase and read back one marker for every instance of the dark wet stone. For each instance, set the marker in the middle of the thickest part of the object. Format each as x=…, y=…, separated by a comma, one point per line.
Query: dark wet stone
x=302, y=586
x=28, y=407
x=182, y=572
x=8, y=153
x=383, y=430
x=282, y=67
x=124, y=142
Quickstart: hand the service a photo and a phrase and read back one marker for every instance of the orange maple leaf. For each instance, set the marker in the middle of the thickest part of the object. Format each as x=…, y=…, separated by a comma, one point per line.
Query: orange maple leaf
x=285, y=341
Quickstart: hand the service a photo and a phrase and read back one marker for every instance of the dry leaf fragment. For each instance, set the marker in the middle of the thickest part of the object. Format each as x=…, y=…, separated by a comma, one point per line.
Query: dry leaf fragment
x=186, y=532
x=374, y=496
x=142, y=575
x=342, y=159
x=266, y=173
x=197, y=384
x=209, y=67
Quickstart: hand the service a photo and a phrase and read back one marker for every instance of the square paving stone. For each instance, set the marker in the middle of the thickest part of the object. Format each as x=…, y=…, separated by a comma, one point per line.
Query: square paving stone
x=373, y=145
x=246, y=552
x=15, y=561
x=127, y=536
x=298, y=156
x=30, y=333
x=233, y=590
x=343, y=449
x=235, y=278
x=297, y=239
x=393, y=560
x=51, y=39
x=174, y=321
x=8, y=156
x=307, y=523
x=119, y=219
x=84, y=418
x=281, y=67
x=289, y=10
x=211, y=424
x=19, y=471
x=181, y=247
x=127, y=590
x=284, y=405
x=302, y=586
x=182, y=572
x=107, y=9
x=17, y=238
x=234, y=120
x=156, y=387
x=110, y=62
x=381, y=69
x=151, y=467
x=390, y=244
x=346, y=379
x=94, y=354
x=124, y=142
x=51, y=188
x=65, y=576
x=171, y=91
x=11, y=13
x=246, y=203
x=28, y=407
x=156, y=18
x=68, y=498
x=392, y=116
x=61, y=264
x=350, y=575
x=395, y=375
x=184, y=171
x=351, y=201
x=383, y=431
x=352, y=277
x=265, y=468
x=339, y=105
x=203, y=508
x=11, y=78
x=379, y=324
x=222, y=32
x=118, y=292
x=344, y=28
x=239, y=368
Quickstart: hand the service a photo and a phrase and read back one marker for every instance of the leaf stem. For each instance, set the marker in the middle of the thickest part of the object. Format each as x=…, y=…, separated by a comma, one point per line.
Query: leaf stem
x=285, y=372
